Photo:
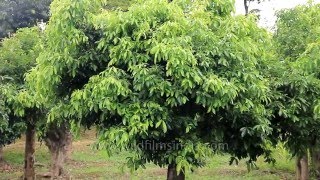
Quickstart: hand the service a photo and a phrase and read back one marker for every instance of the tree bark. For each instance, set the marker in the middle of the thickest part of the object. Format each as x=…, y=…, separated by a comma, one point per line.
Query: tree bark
x=57, y=161
x=29, y=170
x=246, y=6
x=59, y=143
x=68, y=148
x=173, y=174
x=302, y=171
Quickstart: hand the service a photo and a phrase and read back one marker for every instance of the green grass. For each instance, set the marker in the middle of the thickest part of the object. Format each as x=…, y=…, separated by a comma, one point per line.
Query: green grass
x=92, y=164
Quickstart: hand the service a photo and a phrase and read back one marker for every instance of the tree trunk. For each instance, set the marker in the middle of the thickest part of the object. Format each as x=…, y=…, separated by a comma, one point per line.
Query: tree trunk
x=59, y=142
x=29, y=171
x=57, y=161
x=246, y=6
x=68, y=147
x=173, y=175
x=302, y=172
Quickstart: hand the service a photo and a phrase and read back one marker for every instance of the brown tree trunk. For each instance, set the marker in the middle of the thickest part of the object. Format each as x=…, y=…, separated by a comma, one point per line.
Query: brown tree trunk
x=68, y=146
x=59, y=142
x=173, y=175
x=29, y=171
x=302, y=171
x=57, y=161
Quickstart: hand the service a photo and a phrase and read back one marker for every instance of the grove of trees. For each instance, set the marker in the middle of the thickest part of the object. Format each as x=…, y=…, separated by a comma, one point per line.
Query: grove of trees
x=182, y=74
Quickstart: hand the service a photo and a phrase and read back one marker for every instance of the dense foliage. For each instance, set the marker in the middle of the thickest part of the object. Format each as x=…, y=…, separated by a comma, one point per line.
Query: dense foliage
x=10, y=128
x=297, y=45
x=17, y=56
x=117, y=4
x=296, y=120
x=169, y=81
x=178, y=72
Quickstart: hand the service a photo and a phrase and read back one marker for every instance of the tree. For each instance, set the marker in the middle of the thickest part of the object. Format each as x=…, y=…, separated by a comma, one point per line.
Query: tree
x=15, y=14
x=179, y=75
x=23, y=109
x=297, y=122
x=16, y=63
x=57, y=136
x=18, y=55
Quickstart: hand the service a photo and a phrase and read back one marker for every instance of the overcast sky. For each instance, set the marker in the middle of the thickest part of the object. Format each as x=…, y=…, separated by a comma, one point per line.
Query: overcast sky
x=268, y=9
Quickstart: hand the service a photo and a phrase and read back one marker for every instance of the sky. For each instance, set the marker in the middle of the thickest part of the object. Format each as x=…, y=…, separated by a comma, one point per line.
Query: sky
x=268, y=9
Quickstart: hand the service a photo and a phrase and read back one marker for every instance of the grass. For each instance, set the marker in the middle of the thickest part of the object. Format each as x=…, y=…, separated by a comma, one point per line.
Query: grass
x=92, y=164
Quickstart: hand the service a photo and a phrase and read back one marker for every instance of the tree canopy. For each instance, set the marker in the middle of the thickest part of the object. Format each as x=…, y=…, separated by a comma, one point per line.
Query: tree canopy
x=166, y=80
x=176, y=72
x=300, y=81
x=17, y=56
x=296, y=119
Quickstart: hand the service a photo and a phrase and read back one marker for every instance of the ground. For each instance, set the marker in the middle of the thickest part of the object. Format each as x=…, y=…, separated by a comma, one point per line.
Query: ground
x=88, y=163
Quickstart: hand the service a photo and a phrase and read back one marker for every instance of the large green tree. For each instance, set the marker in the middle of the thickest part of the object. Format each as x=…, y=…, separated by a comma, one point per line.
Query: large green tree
x=17, y=56
x=296, y=40
x=181, y=75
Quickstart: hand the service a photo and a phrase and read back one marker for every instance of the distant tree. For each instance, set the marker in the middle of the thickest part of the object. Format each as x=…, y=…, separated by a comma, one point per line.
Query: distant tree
x=15, y=14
